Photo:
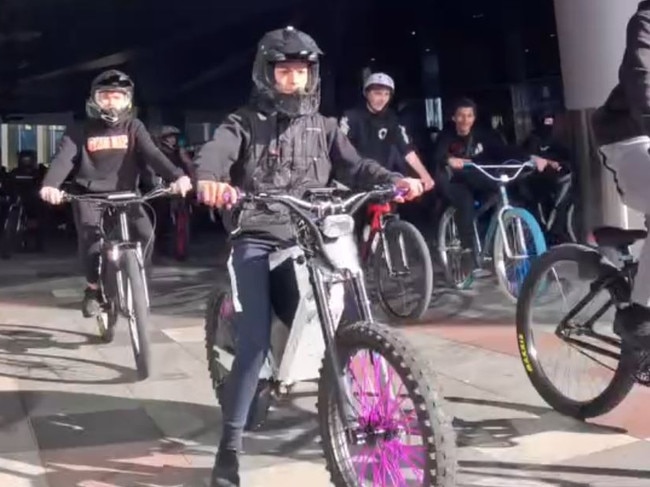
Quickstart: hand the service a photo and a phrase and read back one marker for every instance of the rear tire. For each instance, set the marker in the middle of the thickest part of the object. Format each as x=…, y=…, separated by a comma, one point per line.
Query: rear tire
x=138, y=324
x=437, y=433
x=624, y=376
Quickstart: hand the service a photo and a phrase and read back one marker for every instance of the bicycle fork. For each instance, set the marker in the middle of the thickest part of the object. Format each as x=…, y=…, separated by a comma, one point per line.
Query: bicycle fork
x=123, y=291
x=520, y=238
x=387, y=251
x=347, y=411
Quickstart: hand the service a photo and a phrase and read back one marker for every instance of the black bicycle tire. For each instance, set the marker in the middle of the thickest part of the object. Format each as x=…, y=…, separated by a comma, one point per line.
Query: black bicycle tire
x=409, y=230
x=10, y=234
x=444, y=261
x=131, y=271
x=419, y=379
x=623, y=379
x=178, y=254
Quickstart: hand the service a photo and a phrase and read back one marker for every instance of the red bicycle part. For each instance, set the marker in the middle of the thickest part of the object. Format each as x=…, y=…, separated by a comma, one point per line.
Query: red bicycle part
x=374, y=212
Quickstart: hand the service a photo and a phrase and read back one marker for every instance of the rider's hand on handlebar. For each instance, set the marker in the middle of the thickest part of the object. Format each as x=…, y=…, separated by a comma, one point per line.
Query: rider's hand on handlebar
x=182, y=186
x=456, y=162
x=427, y=181
x=412, y=188
x=555, y=165
x=541, y=163
x=213, y=193
x=51, y=195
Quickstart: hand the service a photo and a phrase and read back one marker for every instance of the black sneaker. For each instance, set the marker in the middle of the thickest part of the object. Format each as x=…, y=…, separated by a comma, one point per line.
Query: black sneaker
x=226, y=469
x=90, y=305
x=632, y=324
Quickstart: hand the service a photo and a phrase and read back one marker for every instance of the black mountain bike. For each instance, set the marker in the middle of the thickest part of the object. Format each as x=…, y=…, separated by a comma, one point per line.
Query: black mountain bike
x=123, y=281
x=583, y=329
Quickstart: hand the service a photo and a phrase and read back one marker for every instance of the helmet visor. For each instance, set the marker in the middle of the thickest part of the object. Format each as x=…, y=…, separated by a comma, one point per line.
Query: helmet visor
x=113, y=99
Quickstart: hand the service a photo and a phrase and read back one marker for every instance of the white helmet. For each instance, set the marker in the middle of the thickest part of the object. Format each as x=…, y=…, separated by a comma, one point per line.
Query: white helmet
x=379, y=79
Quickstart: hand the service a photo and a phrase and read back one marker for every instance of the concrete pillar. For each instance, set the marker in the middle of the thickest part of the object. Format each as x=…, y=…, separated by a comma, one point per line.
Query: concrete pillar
x=4, y=145
x=591, y=36
x=42, y=146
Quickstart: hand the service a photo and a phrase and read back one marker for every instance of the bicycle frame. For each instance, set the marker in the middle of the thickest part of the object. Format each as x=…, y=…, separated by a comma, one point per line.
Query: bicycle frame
x=567, y=184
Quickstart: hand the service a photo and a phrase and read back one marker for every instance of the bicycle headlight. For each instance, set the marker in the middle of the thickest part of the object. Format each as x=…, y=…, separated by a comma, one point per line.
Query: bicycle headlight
x=335, y=226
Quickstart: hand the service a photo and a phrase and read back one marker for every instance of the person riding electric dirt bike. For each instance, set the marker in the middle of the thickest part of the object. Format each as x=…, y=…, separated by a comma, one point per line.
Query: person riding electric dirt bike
x=279, y=142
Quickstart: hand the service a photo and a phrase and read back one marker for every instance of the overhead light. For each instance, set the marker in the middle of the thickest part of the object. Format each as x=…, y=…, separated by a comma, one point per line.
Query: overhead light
x=427, y=50
x=372, y=59
x=413, y=33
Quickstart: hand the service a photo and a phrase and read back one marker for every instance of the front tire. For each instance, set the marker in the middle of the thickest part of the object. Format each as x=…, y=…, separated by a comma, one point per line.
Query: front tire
x=420, y=257
x=534, y=247
x=136, y=300
x=436, y=433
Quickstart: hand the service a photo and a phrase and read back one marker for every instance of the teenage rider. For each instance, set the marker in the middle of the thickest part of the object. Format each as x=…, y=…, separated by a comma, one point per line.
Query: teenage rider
x=278, y=141
x=376, y=133
x=107, y=152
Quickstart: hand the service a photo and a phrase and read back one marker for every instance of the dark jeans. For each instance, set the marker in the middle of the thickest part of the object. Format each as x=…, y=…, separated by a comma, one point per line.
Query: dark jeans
x=251, y=289
x=87, y=216
x=462, y=188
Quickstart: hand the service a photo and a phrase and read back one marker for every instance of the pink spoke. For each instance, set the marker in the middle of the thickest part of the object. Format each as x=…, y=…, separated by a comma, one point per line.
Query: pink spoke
x=392, y=461
x=368, y=453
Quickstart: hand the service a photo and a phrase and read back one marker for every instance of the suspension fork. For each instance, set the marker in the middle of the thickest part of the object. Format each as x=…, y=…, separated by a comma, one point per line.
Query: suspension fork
x=342, y=391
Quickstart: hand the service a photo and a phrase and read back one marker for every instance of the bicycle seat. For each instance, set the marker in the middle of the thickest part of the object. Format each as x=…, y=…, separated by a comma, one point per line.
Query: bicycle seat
x=618, y=237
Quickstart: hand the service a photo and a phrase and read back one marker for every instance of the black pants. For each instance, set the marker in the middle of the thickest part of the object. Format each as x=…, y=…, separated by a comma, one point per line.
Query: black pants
x=462, y=188
x=87, y=216
x=250, y=279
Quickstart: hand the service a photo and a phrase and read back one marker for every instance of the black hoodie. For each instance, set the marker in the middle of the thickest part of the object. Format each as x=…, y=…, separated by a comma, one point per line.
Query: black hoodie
x=626, y=112
x=106, y=158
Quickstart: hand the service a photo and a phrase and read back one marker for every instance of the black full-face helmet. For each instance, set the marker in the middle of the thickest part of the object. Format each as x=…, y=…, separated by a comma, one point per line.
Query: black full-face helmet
x=281, y=45
x=110, y=81
x=169, y=137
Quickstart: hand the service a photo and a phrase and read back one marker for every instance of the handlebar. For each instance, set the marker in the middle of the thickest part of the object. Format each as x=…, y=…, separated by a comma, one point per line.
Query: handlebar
x=118, y=198
x=301, y=207
x=520, y=166
x=307, y=210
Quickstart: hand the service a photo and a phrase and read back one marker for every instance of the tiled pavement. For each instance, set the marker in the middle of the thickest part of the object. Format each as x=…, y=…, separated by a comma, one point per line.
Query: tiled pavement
x=71, y=413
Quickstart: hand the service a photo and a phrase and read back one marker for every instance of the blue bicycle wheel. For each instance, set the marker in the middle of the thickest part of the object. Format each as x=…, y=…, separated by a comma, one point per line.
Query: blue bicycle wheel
x=526, y=242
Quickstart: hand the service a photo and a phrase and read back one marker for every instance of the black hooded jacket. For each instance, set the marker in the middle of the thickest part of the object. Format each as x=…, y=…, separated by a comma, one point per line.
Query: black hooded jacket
x=626, y=113
x=107, y=158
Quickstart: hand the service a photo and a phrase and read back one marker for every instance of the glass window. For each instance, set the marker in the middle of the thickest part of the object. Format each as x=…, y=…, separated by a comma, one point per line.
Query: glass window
x=27, y=137
x=54, y=134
